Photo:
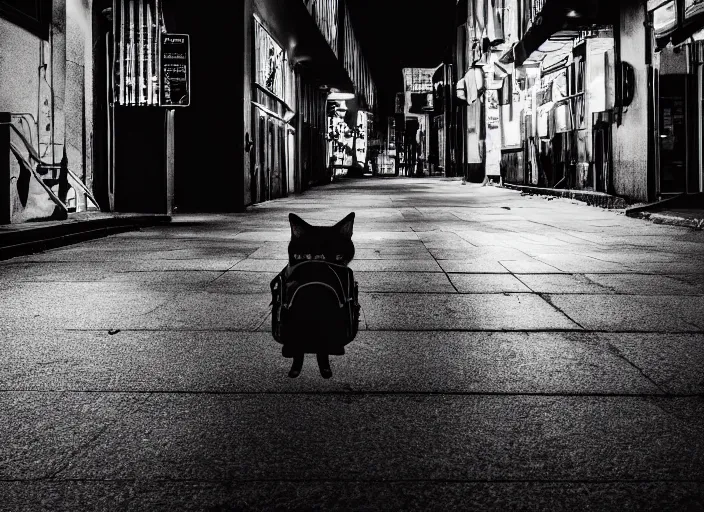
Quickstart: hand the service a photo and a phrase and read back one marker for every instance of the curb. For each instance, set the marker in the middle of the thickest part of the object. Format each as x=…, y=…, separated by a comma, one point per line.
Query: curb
x=599, y=199
x=670, y=220
x=27, y=240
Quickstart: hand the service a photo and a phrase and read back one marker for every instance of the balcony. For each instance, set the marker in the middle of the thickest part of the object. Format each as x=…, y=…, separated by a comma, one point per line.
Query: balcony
x=556, y=21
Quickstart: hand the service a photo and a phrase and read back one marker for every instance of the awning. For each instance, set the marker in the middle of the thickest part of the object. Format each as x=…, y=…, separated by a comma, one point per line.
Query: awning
x=559, y=20
x=294, y=28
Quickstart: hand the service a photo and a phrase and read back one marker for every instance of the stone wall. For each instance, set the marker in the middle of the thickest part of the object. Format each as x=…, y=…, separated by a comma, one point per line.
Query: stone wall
x=630, y=137
x=48, y=86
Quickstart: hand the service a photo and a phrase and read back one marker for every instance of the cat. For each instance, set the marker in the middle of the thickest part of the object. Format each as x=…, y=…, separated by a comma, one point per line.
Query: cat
x=332, y=244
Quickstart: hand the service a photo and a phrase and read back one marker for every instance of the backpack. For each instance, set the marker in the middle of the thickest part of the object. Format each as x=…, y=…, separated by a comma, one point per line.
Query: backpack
x=315, y=308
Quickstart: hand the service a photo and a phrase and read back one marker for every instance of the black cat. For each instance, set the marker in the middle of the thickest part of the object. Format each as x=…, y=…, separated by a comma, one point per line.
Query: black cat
x=332, y=244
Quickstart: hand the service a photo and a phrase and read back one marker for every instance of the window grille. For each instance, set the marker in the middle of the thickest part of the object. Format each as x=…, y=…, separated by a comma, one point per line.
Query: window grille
x=137, y=26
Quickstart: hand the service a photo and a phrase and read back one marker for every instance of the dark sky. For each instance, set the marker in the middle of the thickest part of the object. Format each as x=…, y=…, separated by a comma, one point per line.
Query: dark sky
x=401, y=33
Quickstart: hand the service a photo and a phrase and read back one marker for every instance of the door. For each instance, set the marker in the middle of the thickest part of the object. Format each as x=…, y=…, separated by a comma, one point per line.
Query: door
x=673, y=134
x=291, y=160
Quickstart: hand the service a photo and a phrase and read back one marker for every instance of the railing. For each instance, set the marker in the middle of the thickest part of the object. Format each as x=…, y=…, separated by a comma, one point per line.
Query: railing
x=64, y=173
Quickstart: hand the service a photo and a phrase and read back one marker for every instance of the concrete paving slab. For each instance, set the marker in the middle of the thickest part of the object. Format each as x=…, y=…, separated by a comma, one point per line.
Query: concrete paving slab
x=392, y=253
x=206, y=310
x=352, y=495
x=561, y=283
x=423, y=265
x=240, y=281
x=78, y=305
x=245, y=437
x=124, y=305
x=46, y=431
x=574, y=263
x=678, y=267
x=690, y=309
x=20, y=270
x=487, y=283
x=475, y=266
x=389, y=362
x=491, y=253
x=631, y=256
x=529, y=267
x=280, y=235
x=674, y=361
x=261, y=265
x=168, y=279
x=621, y=313
x=100, y=255
x=377, y=236
x=511, y=312
x=409, y=282
x=644, y=284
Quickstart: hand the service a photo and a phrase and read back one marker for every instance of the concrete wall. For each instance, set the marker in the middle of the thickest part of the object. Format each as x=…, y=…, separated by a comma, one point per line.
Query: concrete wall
x=630, y=138
x=25, y=88
x=49, y=81
x=78, y=104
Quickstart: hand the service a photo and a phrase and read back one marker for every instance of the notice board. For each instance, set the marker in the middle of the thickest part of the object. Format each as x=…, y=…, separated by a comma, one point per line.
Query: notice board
x=175, y=70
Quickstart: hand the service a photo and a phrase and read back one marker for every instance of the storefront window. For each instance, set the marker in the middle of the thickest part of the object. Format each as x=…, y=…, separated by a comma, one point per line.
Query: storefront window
x=269, y=61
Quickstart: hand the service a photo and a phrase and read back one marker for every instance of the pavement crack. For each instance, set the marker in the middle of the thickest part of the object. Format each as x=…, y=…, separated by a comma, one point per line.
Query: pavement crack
x=546, y=297
x=75, y=453
x=616, y=352
x=160, y=305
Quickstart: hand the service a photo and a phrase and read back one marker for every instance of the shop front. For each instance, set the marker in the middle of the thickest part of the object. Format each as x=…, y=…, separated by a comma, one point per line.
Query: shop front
x=678, y=92
x=273, y=100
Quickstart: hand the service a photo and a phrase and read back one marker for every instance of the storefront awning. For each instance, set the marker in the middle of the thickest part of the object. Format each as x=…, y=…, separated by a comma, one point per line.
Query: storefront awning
x=556, y=21
x=295, y=29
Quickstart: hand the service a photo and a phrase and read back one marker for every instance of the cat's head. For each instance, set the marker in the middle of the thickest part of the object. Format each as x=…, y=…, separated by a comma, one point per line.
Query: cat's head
x=329, y=243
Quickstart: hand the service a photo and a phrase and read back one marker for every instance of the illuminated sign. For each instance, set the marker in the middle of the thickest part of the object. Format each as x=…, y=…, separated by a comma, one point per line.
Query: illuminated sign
x=175, y=68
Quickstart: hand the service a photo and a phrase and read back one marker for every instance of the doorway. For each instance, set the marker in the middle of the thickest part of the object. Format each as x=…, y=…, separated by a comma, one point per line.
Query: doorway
x=673, y=134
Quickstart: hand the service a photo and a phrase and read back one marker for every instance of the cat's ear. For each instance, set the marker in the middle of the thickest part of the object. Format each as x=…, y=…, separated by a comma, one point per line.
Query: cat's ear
x=298, y=225
x=345, y=225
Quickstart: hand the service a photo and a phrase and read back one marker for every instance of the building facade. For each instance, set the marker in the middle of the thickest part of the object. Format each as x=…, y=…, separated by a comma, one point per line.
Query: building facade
x=95, y=113
x=586, y=95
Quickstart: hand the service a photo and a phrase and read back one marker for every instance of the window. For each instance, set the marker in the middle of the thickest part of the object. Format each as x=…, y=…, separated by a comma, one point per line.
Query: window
x=665, y=19
x=33, y=15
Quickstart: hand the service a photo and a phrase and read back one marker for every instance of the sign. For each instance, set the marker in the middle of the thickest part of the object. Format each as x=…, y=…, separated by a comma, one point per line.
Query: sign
x=175, y=70
x=665, y=19
x=400, y=101
x=692, y=8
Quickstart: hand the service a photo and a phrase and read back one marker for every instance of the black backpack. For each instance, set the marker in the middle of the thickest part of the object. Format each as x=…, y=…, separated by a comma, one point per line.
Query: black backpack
x=315, y=308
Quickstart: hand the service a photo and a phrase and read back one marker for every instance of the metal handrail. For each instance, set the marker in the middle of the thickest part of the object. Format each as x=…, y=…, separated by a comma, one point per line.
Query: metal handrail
x=16, y=151
x=35, y=156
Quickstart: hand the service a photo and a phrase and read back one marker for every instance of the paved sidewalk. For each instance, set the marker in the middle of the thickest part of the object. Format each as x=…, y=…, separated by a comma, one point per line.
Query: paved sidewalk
x=516, y=353
x=29, y=237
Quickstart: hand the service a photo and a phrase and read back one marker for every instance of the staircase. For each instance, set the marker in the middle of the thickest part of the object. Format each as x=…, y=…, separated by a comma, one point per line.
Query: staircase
x=56, y=179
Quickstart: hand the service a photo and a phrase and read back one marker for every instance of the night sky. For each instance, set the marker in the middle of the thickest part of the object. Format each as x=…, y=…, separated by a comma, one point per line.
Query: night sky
x=403, y=33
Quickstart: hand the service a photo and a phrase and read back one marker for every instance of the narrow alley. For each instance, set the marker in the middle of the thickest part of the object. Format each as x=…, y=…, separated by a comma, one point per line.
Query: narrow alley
x=515, y=353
